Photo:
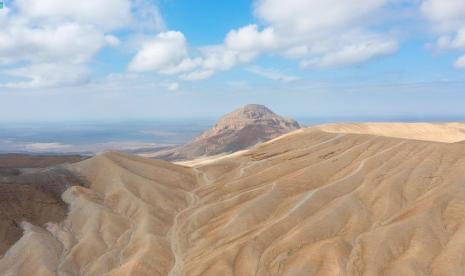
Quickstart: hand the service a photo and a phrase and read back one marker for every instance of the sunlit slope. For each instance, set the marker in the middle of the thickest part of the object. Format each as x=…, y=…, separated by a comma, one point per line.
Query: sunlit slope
x=307, y=203
x=119, y=226
x=445, y=132
x=315, y=203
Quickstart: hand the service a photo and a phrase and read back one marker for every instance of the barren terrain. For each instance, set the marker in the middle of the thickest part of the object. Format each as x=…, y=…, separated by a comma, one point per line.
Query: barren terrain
x=238, y=130
x=336, y=200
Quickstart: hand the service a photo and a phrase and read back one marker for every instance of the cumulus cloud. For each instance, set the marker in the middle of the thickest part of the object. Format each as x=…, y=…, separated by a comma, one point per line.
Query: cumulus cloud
x=321, y=33
x=249, y=38
x=447, y=15
x=353, y=52
x=46, y=75
x=107, y=14
x=456, y=41
x=167, y=53
x=65, y=36
x=68, y=42
x=162, y=54
x=447, y=19
x=219, y=58
x=460, y=62
x=313, y=16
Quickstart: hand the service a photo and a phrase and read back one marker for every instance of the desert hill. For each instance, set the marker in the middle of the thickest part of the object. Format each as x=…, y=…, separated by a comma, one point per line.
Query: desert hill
x=119, y=225
x=235, y=131
x=310, y=202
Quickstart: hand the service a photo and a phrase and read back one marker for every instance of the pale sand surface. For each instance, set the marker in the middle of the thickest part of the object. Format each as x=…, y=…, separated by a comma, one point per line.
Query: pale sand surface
x=445, y=132
x=308, y=203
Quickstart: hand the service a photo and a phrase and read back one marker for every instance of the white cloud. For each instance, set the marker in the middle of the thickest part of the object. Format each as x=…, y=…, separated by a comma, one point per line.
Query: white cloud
x=460, y=62
x=447, y=19
x=447, y=42
x=162, y=54
x=447, y=15
x=272, y=74
x=108, y=14
x=174, y=86
x=66, y=35
x=198, y=75
x=220, y=58
x=48, y=75
x=167, y=53
x=324, y=34
x=314, y=16
x=321, y=33
x=112, y=40
x=329, y=33
x=353, y=52
x=249, y=38
x=68, y=42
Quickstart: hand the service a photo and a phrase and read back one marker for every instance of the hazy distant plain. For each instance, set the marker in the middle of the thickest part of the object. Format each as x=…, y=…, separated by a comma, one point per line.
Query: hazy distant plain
x=92, y=137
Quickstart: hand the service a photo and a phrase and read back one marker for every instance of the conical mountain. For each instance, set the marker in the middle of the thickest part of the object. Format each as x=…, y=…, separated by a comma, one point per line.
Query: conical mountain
x=238, y=130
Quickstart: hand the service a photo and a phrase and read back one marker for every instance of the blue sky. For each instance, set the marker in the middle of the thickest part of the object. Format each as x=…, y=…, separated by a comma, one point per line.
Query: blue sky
x=121, y=59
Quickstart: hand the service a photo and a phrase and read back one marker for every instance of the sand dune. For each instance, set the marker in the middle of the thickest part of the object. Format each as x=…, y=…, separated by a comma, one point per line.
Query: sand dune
x=308, y=203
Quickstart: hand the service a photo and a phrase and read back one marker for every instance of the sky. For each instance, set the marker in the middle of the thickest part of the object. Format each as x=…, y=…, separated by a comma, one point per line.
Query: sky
x=146, y=59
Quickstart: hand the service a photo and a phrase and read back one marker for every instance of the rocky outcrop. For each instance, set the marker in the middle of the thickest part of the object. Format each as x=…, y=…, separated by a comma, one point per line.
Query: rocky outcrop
x=238, y=130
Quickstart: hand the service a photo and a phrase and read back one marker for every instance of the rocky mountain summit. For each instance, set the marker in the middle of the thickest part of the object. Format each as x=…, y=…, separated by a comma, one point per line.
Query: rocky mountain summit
x=238, y=130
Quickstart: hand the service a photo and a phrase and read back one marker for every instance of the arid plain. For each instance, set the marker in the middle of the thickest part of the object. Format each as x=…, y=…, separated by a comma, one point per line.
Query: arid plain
x=370, y=199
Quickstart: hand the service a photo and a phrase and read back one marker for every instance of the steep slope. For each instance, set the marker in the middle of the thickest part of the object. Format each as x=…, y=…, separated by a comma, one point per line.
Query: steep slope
x=32, y=195
x=119, y=225
x=315, y=203
x=235, y=131
x=307, y=203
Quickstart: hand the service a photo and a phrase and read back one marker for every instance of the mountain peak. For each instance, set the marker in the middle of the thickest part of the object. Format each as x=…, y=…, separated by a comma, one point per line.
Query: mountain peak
x=257, y=108
x=238, y=130
x=251, y=111
x=251, y=114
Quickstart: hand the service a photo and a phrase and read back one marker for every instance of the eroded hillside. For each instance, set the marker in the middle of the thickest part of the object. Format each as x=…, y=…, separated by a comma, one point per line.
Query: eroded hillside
x=307, y=203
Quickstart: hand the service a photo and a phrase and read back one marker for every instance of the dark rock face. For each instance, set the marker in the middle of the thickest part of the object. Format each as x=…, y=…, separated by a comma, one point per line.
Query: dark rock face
x=32, y=195
x=238, y=130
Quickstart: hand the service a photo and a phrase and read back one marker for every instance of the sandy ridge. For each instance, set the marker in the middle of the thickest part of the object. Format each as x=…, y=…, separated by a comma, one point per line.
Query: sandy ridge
x=312, y=202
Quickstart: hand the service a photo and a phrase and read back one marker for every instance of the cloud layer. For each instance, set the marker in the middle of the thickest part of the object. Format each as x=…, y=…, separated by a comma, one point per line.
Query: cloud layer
x=51, y=41
x=320, y=34
x=447, y=19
